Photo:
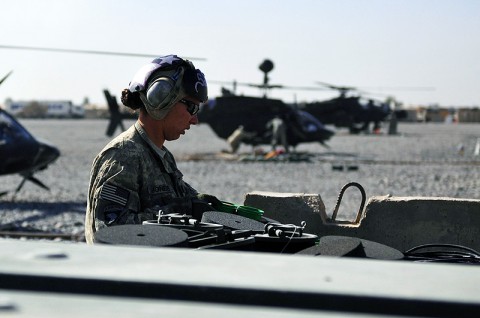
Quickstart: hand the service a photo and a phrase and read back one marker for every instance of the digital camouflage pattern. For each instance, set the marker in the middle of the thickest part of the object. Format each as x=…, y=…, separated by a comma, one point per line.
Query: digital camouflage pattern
x=131, y=180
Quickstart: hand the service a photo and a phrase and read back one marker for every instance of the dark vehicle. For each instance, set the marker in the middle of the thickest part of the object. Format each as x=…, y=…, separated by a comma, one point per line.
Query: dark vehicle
x=225, y=114
x=21, y=153
x=353, y=112
x=228, y=112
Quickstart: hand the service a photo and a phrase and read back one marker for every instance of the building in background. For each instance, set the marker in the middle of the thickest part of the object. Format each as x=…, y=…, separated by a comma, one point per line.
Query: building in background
x=44, y=109
x=468, y=115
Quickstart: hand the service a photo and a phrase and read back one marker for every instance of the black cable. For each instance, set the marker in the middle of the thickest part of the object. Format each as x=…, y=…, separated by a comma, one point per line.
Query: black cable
x=444, y=253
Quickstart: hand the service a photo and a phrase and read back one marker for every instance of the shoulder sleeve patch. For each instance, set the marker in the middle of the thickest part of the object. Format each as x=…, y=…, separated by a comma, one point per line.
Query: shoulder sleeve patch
x=114, y=194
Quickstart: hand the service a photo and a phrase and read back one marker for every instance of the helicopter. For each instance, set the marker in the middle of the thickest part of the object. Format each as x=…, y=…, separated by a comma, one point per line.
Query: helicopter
x=226, y=113
x=345, y=111
x=352, y=112
x=22, y=153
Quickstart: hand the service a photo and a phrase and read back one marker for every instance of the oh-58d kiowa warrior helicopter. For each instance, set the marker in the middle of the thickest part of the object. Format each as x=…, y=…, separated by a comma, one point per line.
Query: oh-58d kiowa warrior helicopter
x=22, y=153
x=352, y=111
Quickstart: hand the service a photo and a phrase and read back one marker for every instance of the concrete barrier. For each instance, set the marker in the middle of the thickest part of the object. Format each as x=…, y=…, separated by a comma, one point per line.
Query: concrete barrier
x=289, y=208
x=399, y=222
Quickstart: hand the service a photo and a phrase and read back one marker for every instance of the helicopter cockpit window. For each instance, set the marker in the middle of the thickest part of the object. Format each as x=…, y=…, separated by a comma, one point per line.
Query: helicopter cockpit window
x=308, y=122
x=9, y=128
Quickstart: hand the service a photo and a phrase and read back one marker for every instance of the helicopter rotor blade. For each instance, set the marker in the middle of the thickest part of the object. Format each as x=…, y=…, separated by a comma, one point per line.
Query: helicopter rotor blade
x=5, y=77
x=268, y=86
x=265, y=86
x=378, y=88
x=340, y=88
x=405, y=88
x=32, y=48
x=305, y=88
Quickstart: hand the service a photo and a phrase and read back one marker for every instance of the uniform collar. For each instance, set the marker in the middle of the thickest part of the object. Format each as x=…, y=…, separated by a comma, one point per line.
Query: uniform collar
x=160, y=151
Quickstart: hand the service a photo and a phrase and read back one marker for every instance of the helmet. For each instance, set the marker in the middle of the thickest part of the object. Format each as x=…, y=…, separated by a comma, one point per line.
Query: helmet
x=164, y=81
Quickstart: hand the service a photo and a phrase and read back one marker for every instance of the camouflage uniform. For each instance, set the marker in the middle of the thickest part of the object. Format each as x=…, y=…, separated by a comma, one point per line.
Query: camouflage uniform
x=131, y=180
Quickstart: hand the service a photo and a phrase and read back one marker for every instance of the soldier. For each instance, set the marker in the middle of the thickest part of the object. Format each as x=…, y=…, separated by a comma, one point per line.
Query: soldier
x=239, y=135
x=135, y=175
x=278, y=129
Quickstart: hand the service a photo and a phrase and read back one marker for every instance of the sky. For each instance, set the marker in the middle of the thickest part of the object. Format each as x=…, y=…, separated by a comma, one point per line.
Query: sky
x=421, y=52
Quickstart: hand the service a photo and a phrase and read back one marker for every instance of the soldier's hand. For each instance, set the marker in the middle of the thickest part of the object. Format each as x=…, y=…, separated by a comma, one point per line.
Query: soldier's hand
x=209, y=199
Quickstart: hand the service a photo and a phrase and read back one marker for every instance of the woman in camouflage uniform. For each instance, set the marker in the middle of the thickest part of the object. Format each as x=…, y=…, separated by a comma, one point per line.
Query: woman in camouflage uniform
x=135, y=175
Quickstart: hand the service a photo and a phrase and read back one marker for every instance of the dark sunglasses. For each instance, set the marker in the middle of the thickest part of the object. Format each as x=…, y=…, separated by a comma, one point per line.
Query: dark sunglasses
x=192, y=108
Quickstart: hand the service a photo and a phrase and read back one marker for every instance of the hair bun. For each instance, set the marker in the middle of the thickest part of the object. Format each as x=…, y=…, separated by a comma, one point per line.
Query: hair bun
x=131, y=100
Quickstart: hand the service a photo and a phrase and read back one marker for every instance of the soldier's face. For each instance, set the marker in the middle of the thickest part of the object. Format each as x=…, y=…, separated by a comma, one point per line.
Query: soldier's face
x=178, y=121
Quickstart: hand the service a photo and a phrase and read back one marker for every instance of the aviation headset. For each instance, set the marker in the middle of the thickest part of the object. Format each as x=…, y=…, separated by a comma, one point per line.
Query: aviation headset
x=166, y=80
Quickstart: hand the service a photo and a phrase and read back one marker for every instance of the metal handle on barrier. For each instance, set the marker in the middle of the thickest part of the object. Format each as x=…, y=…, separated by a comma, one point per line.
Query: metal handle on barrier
x=339, y=199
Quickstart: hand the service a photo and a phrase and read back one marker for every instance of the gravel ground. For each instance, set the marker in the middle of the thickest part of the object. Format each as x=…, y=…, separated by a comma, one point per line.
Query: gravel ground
x=422, y=160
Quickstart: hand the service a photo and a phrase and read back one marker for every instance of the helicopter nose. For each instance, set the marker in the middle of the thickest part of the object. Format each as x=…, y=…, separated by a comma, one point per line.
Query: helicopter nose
x=329, y=132
x=47, y=154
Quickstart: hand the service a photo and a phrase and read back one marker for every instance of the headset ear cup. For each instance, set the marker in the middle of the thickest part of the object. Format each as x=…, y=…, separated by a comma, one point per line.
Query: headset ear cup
x=158, y=91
